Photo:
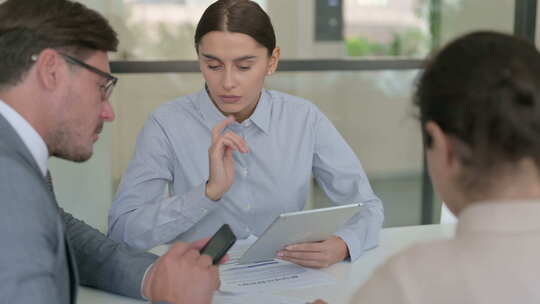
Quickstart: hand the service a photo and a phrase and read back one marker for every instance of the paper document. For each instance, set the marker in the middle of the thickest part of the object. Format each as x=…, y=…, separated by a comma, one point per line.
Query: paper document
x=238, y=249
x=273, y=275
x=259, y=298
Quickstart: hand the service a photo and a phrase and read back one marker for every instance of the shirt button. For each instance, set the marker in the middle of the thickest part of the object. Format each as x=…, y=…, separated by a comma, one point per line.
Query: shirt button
x=243, y=171
x=247, y=123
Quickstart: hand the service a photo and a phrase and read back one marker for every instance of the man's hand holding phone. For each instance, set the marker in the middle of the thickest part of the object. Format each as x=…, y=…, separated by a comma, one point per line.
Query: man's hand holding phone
x=187, y=273
x=219, y=244
x=182, y=275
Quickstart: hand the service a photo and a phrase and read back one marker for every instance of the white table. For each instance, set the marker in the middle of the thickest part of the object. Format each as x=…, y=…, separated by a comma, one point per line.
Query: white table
x=349, y=276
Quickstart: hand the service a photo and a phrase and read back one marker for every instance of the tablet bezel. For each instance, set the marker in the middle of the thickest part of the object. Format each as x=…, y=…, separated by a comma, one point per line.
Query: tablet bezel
x=289, y=228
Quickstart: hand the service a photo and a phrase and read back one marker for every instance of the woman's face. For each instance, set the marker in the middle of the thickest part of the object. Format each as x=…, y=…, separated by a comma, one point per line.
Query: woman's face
x=234, y=66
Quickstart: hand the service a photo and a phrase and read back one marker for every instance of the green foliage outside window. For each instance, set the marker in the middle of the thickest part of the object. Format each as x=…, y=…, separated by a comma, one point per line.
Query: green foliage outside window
x=409, y=43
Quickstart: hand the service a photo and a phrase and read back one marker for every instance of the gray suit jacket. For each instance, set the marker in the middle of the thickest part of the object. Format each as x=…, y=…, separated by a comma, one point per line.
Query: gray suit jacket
x=44, y=250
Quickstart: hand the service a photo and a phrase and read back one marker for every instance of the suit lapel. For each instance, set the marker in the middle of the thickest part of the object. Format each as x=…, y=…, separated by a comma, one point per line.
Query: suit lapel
x=10, y=137
x=73, y=273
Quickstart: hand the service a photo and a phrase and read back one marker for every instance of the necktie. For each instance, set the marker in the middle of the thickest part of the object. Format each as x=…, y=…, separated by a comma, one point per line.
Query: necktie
x=50, y=183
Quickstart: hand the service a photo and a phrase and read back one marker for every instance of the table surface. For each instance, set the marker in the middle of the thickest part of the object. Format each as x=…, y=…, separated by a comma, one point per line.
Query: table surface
x=349, y=276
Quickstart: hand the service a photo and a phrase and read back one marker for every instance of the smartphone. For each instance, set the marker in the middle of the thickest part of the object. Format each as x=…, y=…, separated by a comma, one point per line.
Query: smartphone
x=219, y=244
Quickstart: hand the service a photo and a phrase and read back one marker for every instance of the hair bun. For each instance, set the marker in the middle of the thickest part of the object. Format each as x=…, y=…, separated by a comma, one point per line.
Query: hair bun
x=522, y=93
x=524, y=98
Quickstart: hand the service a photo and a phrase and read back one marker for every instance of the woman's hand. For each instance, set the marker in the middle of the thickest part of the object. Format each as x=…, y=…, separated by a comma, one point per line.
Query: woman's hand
x=221, y=161
x=316, y=254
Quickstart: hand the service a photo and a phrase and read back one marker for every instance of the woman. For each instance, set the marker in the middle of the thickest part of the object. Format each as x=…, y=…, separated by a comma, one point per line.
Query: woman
x=479, y=103
x=264, y=146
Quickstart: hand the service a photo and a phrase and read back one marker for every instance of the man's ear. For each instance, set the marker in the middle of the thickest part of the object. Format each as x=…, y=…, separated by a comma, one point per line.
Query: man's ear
x=274, y=60
x=48, y=68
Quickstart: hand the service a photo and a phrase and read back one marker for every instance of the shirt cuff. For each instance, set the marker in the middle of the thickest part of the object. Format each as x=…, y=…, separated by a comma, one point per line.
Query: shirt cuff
x=352, y=242
x=198, y=204
x=144, y=279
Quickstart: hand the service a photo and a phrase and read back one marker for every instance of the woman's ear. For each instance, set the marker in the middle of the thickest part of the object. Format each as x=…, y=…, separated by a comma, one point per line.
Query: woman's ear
x=438, y=143
x=274, y=60
x=443, y=147
x=444, y=157
x=434, y=132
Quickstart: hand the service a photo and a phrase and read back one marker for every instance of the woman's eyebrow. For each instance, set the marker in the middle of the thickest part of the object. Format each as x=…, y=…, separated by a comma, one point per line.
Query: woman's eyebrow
x=242, y=58
x=211, y=57
x=248, y=57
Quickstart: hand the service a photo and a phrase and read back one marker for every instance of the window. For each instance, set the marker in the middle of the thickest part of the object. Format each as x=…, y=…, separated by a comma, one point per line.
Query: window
x=363, y=83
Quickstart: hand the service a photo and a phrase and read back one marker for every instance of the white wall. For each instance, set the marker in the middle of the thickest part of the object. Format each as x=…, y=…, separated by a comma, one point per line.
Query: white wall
x=85, y=190
x=460, y=17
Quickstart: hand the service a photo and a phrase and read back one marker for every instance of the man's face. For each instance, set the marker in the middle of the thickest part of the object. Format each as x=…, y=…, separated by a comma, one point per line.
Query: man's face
x=84, y=111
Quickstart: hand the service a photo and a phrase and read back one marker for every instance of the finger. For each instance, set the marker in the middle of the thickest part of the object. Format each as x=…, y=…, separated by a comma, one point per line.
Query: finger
x=199, y=243
x=225, y=142
x=313, y=247
x=218, y=284
x=224, y=259
x=214, y=272
x=216, y=131
x=204, y=260
x=240, y=142
x=178, y=248
x=220, y=150
x=192, y=255
x=306, y=263
x=228, y=161
x=301, y=255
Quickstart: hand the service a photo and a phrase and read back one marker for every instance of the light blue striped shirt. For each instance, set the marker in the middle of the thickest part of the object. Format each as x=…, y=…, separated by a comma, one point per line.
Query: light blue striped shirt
x=289, y=140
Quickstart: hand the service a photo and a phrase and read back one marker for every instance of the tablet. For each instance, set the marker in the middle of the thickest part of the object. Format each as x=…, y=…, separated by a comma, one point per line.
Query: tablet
x=298, y=227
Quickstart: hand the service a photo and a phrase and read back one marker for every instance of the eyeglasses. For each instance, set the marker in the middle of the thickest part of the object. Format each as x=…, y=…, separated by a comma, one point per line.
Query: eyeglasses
x=106, y=89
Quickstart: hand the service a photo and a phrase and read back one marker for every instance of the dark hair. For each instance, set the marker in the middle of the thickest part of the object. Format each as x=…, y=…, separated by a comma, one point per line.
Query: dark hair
x=483, y=90
x=237, y=16
x=27, y=27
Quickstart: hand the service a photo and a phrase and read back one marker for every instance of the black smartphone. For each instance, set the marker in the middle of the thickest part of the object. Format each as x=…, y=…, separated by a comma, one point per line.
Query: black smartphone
x=219, y=244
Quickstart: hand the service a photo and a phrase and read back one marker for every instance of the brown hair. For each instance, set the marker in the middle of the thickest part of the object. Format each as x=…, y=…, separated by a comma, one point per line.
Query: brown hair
x=483, y=90
x=28, y=26
x=237, y=16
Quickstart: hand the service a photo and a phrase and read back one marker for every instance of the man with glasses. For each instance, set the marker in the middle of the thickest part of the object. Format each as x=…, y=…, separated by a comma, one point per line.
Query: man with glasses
x=55, y=87
x=110, y=81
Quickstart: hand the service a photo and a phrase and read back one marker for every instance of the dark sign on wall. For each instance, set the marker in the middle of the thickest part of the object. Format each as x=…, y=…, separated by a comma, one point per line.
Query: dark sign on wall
x=329, y=20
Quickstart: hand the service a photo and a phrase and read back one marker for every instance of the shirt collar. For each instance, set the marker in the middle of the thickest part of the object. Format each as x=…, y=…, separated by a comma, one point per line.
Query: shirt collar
x=28, y=134
x=208, y=110
x=500, y=217
x=260, y=117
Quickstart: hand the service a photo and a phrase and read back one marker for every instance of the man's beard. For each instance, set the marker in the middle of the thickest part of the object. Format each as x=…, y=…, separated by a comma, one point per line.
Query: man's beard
x=66, y=144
